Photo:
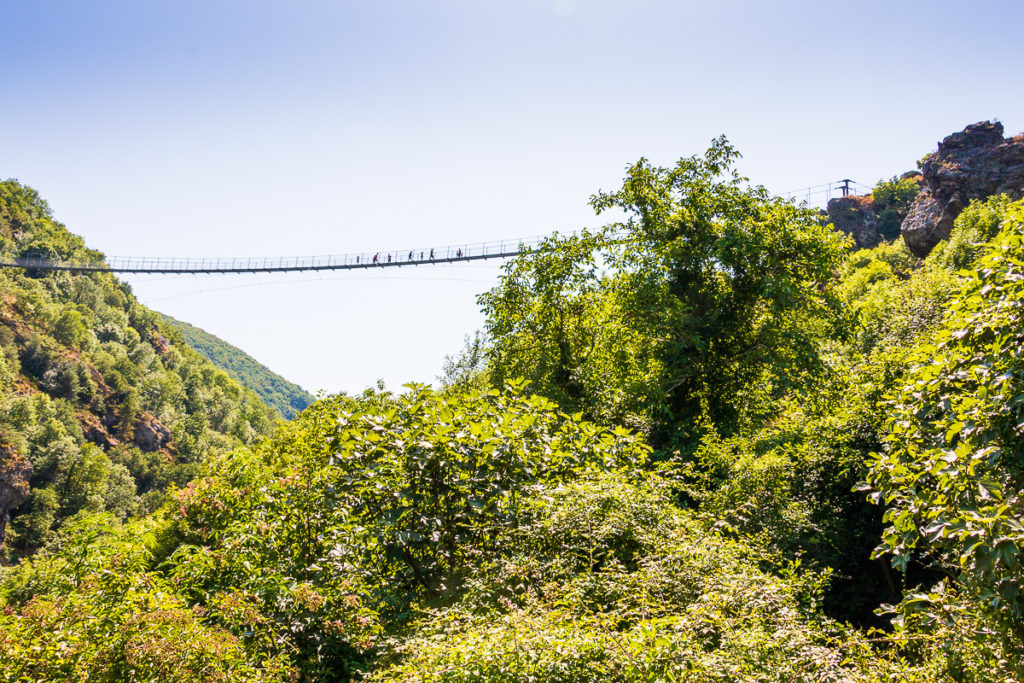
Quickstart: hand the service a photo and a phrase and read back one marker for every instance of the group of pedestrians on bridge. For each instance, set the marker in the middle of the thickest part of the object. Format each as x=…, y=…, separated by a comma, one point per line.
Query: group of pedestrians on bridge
x=378, y=260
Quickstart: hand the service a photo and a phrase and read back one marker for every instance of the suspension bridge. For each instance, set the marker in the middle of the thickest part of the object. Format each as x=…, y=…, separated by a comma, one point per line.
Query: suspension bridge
x=422, y=256
x=284, y=264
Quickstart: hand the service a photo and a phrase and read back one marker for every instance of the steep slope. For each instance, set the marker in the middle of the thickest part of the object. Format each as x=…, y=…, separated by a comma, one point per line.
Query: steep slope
x=102, y=404
x=286, y=397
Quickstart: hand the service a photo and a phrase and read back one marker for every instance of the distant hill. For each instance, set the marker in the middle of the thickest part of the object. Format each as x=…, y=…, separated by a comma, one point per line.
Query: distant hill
x=286, y=397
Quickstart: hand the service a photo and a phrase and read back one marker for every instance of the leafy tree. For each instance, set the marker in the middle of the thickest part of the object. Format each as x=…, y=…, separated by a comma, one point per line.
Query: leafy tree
x=468, y=370
x=728, y=280
x=554, y=321
x=708, y=295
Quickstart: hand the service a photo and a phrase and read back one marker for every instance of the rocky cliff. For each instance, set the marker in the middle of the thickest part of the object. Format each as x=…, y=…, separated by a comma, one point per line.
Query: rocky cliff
x=973, y=164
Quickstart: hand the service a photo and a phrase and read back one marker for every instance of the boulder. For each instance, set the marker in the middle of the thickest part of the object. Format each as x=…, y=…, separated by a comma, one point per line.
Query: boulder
x=161, y=344
x=150, y=434
x=96, y=431
x=929, y=222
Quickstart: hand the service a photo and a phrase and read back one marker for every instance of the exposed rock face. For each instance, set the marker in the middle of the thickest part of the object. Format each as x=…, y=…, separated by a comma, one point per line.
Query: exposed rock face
x=150, y=434
x=874, y=218
x=96, y=431
x=15, y=471
x=929, y=222
x=161, y=344
x=973, y=164
x=856, y=216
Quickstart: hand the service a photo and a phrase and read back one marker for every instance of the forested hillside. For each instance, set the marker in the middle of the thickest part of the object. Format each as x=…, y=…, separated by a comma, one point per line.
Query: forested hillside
x=284, y=396
x=102, y=405
x=709, y=442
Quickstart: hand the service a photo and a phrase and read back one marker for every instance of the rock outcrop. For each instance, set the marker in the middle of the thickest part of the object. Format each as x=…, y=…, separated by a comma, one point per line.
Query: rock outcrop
x=856, y=216
x=974, y=164
x=15, y=471
x=96, y=431
x=872, y=219
x=150, y=434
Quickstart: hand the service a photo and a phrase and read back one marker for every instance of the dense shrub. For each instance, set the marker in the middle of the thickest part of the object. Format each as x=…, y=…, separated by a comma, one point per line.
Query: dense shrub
x=950, y=475
x=364, y=506
x=89, y=610
x=611, y=582
x=892, y=200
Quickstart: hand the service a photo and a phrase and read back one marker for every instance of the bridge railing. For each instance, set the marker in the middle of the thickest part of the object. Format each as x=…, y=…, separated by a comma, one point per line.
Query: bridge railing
x=470, y=251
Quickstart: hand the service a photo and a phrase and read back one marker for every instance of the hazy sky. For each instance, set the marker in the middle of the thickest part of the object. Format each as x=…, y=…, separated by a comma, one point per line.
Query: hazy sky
x=207, y=128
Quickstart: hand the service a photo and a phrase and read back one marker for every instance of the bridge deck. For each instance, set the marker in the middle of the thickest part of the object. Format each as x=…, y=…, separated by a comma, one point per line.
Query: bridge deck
x=367, y=260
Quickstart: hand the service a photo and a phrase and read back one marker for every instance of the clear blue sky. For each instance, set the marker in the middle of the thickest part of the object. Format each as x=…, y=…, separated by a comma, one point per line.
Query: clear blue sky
x=219, y=128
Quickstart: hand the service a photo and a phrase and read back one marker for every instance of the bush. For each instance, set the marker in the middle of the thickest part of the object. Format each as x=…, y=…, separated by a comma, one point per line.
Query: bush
x=892, y=202
x=950, y=474
x=88, y=610
x=610, y=582
x=976, y=225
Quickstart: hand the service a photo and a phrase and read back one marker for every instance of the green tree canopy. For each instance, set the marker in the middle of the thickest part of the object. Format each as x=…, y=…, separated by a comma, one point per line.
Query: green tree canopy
x=707, y=295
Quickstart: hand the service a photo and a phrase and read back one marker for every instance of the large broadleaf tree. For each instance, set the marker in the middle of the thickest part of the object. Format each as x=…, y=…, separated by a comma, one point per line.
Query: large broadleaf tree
x=708, y=297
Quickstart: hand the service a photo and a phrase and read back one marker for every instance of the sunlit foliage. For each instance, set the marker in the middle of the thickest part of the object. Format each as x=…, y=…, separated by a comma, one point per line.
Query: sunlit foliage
x=796, y=406
x=709, y=299
x=950, y=475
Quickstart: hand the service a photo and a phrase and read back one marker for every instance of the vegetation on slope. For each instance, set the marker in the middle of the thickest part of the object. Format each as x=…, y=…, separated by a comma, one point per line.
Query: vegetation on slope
x=892, y=201
x=951, y=475
x=277, y=392
x=822, y=481
x=101, y=405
